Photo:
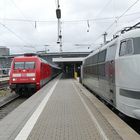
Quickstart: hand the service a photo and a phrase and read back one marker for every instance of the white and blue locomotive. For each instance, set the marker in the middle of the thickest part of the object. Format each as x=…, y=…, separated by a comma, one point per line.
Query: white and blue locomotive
x=113, y=72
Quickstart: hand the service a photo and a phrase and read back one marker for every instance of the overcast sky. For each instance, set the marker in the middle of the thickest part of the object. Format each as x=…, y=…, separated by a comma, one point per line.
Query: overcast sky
x=78, y=17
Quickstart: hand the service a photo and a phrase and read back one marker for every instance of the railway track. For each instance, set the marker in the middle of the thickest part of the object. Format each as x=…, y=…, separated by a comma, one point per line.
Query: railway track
x=4, y=84
x=8, y=100
x=9, y=104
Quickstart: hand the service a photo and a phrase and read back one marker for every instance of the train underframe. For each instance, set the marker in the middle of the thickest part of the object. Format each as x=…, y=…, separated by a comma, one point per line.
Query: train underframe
x=24, y=89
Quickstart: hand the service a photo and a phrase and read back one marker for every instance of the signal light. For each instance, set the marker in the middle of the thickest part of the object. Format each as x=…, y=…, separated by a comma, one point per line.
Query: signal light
x=58, y=13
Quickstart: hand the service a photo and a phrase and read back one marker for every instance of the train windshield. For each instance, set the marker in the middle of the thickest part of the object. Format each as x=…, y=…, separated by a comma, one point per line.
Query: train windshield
x=130, y=46
x=24, y=65
x=29, y=65
x=19, y=65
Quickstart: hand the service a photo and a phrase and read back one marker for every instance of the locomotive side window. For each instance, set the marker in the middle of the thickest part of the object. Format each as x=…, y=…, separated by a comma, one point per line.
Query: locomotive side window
x=111, y=52
x=19, y=65
x=101, y=64
x=102, y=56
x=95, y=59
x=136, y=43
x=126, y=47
x=29, y=65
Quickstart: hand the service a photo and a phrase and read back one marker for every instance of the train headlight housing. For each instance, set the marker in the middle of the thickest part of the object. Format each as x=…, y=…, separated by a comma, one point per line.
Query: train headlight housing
x=14, y=79
x=33, y=79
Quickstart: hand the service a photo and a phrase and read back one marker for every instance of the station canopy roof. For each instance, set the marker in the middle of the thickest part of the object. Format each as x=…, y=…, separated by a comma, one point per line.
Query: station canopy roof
x=61, y=59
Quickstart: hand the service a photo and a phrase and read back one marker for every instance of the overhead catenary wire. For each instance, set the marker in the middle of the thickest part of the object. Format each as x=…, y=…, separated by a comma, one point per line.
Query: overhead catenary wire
x=12, y=32
x=28, y=20
x=34, y=25
x=84, y=20
x=117, y=18
x=20, y=10
x=103, y=8
x=66, y=21
x=17, y=36
x=128, y=9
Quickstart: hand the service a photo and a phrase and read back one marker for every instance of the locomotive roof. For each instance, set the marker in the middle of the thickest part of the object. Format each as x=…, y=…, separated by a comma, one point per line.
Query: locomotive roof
x=129, y=34
x=36, y=57
x=103, y=47
x=25, y=57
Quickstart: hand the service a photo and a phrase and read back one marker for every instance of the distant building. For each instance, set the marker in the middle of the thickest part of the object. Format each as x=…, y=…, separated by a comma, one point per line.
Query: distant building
x=4, y=51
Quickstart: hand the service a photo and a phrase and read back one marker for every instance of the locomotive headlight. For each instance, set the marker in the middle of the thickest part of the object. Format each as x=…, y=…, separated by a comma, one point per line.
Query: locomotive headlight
x=33, y=79
x=14, y=79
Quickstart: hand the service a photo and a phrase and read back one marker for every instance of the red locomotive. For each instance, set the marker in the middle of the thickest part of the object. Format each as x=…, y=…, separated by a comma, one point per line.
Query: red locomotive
x=29, y=73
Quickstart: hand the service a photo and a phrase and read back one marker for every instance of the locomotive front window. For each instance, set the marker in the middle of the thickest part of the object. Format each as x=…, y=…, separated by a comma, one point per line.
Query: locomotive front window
x=24, y=65
x=19, y=65
x=126, y=47
x=29, y=65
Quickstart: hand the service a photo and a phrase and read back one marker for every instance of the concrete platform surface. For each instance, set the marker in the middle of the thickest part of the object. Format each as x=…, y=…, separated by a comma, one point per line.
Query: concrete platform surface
x=63, y=110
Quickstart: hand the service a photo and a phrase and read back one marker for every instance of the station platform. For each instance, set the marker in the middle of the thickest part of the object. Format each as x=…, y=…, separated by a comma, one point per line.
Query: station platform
x=64, y=110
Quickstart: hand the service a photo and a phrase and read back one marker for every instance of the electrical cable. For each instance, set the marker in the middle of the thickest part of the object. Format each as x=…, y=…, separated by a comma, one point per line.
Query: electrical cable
x=54, y=21
x=19, y=10
x=120, y=17
x=122, y=14
x=25, y=20
x=128, y=9
x=85, y=20
x=33, y=25
x=103, y=8
x=12, y=32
